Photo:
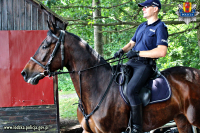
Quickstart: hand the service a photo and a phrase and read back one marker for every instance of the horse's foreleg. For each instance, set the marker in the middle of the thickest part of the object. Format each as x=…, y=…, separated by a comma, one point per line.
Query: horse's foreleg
x=183, y=124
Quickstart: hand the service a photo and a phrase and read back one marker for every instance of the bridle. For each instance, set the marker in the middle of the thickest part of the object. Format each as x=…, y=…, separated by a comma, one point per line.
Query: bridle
x=60, y=43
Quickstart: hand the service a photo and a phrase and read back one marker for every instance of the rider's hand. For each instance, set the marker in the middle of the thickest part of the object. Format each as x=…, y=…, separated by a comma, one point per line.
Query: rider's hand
x=132, y=54
x=119, y=53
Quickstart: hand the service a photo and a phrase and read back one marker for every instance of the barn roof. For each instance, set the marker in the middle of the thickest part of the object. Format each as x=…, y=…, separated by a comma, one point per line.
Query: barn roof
x=50, y=11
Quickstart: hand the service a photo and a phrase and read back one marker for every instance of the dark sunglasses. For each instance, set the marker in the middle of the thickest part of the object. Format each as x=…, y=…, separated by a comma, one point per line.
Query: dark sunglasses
x=148, y=6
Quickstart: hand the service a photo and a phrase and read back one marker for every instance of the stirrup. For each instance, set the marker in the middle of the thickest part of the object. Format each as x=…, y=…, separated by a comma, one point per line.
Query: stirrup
x=128, y=130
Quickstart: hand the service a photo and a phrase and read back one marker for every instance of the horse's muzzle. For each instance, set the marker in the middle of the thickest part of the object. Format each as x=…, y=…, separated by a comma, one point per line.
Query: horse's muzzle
x=24, y=74
x=34, y=79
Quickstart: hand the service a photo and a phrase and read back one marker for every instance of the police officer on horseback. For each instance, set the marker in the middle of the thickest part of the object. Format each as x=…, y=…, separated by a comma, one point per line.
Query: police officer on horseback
x=148, y=43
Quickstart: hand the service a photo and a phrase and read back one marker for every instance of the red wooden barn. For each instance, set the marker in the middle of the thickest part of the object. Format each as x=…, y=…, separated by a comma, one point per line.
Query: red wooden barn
x=25, y=107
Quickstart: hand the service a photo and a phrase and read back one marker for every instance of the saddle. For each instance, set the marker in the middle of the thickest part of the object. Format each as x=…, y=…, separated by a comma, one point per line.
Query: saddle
x=156, y=90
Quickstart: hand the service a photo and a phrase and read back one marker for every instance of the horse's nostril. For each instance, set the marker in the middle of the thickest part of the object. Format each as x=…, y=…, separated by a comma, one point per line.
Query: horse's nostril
x=24, y=74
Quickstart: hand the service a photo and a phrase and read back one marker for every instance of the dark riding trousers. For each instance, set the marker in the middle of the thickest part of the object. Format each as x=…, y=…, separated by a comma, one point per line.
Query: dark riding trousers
x=142, y=71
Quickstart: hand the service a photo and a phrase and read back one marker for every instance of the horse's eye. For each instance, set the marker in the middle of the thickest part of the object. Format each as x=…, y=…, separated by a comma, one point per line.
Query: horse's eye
x=45, y=46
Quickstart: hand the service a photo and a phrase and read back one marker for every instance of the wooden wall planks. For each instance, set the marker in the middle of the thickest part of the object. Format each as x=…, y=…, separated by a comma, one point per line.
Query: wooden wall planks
x=23, y=117
x=22, y=15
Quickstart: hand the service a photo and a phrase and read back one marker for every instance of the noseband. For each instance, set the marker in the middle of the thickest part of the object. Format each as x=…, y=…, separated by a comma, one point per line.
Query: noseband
x=60, y=43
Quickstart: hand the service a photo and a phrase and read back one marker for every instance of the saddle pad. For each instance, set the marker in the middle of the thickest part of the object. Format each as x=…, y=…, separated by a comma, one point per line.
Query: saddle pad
x=160, y=91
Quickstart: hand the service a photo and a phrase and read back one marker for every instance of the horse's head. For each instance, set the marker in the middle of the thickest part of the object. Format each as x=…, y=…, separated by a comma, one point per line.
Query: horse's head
x=47, y=58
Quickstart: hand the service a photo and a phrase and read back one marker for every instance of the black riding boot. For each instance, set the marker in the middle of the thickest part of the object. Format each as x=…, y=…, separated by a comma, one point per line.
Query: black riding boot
x=136, y=119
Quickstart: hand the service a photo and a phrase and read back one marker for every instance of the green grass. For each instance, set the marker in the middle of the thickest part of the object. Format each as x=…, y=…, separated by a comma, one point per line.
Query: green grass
x=67, y=109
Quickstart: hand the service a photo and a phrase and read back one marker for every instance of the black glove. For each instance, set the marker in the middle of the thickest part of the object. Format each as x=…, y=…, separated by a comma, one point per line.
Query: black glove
x=132, y=54
x=119, y=53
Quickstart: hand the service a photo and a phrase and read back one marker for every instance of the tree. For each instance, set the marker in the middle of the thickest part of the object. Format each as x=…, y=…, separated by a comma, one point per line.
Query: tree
x=198, y=25
x=98, y=42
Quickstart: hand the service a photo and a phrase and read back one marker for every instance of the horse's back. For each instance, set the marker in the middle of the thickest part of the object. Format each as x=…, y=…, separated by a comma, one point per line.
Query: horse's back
x=185, y=80
x=181, y=70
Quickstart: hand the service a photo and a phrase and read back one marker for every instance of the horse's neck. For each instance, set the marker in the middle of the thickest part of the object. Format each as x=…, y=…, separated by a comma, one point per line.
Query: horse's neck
x=94, y=81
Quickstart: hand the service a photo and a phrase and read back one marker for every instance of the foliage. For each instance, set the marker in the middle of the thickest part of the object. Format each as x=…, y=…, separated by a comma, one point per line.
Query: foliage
x=65, y=82
x=119, y=20
x=183, y=50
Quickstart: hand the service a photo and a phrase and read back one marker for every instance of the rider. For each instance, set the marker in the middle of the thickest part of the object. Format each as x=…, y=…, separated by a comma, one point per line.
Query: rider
x=149, y=42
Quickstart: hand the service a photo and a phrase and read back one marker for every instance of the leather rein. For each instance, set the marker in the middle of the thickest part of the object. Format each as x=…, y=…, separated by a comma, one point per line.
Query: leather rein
x=47, y=72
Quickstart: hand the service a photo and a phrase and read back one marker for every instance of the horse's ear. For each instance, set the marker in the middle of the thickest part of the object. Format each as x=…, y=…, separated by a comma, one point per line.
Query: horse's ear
x=51, y=26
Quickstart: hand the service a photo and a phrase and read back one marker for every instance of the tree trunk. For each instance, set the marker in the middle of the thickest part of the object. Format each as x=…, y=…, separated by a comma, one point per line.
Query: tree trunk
x=198, y=24
x=98, y=41
x=198, y=37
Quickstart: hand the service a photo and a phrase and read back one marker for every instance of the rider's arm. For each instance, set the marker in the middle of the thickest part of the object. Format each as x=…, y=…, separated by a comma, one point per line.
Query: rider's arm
x=128, y=46
x=162, y=44
x=159, y=51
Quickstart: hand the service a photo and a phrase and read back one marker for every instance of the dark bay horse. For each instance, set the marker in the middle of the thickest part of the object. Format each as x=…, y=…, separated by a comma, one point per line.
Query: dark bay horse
x=113, y=115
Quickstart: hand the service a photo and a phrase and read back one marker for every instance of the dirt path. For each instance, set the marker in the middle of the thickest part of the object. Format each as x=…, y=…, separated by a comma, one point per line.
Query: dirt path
x=69, y=126
x=68, y=96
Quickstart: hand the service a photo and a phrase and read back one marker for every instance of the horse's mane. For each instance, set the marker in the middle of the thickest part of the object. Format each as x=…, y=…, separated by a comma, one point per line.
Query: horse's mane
x=89, y=48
